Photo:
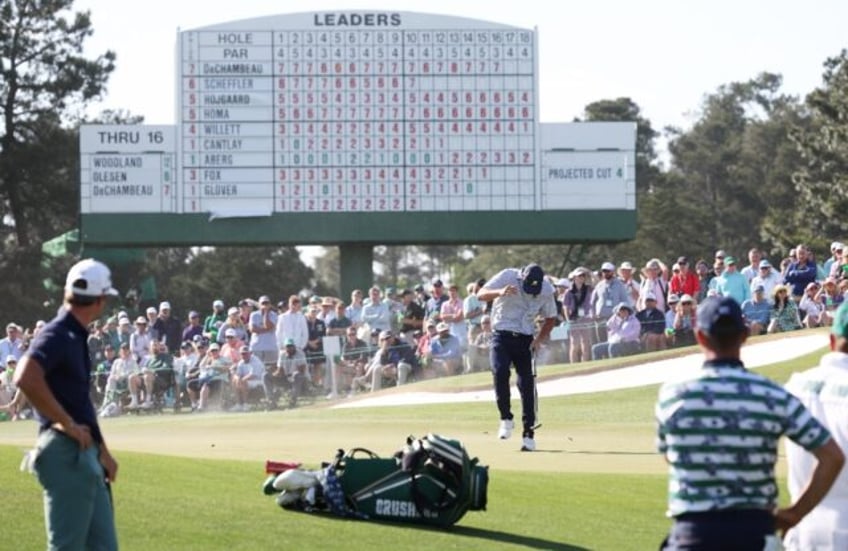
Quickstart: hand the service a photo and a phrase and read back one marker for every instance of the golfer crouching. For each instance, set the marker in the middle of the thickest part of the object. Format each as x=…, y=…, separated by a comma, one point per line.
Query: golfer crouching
x=519, y=297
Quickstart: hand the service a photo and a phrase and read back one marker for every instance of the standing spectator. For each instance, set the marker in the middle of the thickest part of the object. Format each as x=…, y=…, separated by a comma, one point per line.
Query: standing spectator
x=518, y=296
x=768, y=278
x=654, y=283
x=152, y=316
x=73, y=464
x=718, y=270
x=263, y=324
x=233, y=322
x=193, y=328
x=801, y=272
x=838, y=268
x=214, y=321
x=340, y=323
x=757, y=311
x=755, y=256
x=784, y=311
x=97, y=342
x=412, y=315
x=434, y=303
x=702, y=270
x=684, y=282
x=609, y=292
x=478, y=350
x=13, y=344
x=624, y=331
x=375, y=312
x=168, y=328
x=246, y=307
x=315, y=348
x=354, y=311
x=577, y=307
x=328, y=310
x=292, y=325
x=451, y=313
x=472, y=310
x=731, y=283
x=716, y=498
x=421, y=296
x=354, y=358
x=822, y=390
x=625, y=273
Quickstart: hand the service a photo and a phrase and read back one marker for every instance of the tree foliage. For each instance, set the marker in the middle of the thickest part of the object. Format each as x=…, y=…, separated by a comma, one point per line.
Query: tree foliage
x=821, y=179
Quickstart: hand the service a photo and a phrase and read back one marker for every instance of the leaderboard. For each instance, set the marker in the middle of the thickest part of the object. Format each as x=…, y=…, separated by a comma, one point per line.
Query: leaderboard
x=358, y=112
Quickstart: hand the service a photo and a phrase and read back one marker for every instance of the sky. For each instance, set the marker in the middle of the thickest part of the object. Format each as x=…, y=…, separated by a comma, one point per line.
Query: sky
x=664, y=55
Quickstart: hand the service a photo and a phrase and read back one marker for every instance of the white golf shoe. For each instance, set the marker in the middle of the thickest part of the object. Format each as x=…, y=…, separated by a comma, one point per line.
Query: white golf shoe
x=528, y=444
x=505, y=430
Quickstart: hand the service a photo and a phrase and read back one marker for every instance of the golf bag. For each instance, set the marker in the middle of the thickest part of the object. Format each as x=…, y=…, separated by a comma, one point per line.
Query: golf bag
x=430, y=481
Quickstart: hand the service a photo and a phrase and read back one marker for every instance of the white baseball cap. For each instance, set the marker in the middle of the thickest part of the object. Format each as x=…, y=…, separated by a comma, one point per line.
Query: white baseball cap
x=165, y=305
x=90, y=278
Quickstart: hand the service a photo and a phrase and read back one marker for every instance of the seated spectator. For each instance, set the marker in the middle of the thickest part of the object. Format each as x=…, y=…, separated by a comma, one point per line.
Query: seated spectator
x=446, y=351
x=290, y=373
x=393, y=362
x=158, y=372
x=830, y=296
x=213, y=370
x=232, y=346
x=249, y=375
x=101, y=375
x=684, y=323
x=811, y=310
x=422, y=345
x=478, y=351
x=623, y=330
x=7, y=383
x=354, y=358
x=757, y=311
x=784, y=312
x=673, y=301
x=124, y=367
x=652, y=325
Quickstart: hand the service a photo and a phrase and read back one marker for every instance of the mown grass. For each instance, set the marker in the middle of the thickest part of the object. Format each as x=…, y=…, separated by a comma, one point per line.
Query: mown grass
x=193, y=481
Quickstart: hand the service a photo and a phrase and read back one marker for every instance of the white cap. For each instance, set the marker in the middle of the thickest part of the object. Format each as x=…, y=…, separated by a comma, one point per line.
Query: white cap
x=151, y=310
x=563, y=282
x=608, y=267
x=232, y=311
x=164, y=305
x=90, y=278
x=626, y=266
x=230, y=332
x=218, y=304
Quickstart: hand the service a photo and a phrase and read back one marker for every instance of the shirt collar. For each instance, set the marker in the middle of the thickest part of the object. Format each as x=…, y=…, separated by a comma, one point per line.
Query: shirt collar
x=725, y=362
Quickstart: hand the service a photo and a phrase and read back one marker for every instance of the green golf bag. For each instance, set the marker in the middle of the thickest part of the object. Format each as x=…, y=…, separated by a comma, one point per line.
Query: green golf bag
x=430, y=481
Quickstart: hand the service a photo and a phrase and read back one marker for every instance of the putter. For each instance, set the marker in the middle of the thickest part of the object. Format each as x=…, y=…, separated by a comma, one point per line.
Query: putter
x=538, y=424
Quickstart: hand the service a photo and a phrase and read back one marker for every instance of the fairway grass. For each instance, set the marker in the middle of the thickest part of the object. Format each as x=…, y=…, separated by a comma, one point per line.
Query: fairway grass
x=193, y=481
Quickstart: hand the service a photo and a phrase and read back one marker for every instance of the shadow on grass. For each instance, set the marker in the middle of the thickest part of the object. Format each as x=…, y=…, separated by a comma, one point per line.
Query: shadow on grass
x=516, y=539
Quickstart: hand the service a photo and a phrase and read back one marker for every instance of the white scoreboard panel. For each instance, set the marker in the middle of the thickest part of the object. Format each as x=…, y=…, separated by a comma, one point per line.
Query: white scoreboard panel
x=128, y=169
x=358, y=112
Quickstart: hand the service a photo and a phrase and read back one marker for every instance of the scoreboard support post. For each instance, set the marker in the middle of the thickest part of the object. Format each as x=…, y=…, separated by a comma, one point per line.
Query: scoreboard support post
x=356, y=268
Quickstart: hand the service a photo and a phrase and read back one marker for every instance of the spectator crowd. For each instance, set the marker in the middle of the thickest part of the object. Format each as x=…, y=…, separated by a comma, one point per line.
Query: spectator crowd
x=257, y=352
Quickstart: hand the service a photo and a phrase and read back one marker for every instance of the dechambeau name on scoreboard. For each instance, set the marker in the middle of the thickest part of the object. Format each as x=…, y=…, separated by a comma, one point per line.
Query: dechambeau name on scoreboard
x=233, y=69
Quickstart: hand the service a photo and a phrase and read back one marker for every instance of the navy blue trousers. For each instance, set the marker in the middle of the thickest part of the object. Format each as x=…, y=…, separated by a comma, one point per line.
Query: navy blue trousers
x=730, y=530
x=513, y=349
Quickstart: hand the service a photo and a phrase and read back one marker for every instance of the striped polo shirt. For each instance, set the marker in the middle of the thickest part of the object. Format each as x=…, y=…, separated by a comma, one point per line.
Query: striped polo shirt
x=719, y=433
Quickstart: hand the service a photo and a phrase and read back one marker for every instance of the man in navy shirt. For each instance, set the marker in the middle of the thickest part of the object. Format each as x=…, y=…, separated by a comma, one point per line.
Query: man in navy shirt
x=71, y=460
